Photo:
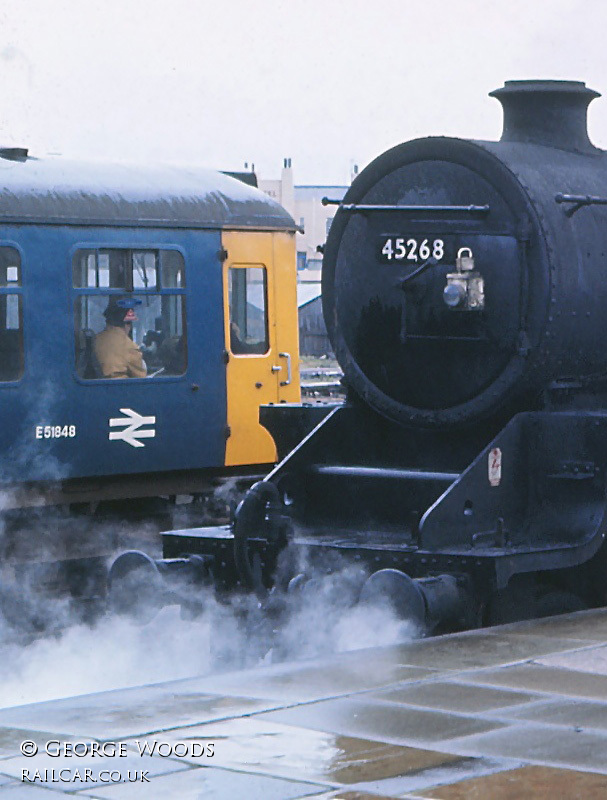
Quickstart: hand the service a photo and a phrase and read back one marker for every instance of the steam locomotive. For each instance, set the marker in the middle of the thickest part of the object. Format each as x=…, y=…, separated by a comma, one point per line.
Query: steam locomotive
x=464, y=293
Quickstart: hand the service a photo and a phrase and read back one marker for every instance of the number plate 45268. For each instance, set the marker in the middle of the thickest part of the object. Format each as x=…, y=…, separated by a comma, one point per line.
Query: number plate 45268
x=412, y=249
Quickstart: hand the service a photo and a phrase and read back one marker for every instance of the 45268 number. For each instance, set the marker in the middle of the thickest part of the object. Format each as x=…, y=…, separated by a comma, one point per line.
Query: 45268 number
x=403, y=249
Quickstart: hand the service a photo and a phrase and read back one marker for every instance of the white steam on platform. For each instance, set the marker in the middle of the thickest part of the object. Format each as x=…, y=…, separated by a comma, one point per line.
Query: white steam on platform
x=117, y=652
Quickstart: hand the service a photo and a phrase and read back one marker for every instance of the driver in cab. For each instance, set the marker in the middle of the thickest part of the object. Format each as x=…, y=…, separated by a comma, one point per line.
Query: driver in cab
x=117, y=353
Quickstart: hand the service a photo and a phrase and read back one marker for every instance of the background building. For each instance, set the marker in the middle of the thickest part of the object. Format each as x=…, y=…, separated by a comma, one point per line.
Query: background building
x=304, y=203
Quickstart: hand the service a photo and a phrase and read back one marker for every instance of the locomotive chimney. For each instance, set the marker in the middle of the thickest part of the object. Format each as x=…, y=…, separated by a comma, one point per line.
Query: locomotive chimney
x=552, y=113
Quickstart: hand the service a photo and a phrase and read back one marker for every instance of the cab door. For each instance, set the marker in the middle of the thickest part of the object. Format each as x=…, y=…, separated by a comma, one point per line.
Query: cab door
x=262, y=361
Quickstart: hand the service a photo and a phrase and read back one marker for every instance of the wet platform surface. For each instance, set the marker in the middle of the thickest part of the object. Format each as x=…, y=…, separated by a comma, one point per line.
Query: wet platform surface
x=514, y=711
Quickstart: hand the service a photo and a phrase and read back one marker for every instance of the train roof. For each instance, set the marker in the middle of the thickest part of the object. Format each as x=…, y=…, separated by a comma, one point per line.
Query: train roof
x=58, y=191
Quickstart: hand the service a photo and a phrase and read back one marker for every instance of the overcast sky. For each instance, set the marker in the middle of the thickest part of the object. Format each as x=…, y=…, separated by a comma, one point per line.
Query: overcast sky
x=328, y=83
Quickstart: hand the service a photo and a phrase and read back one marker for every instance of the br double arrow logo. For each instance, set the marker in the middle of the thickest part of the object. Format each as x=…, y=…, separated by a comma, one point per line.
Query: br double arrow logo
x=132, y=422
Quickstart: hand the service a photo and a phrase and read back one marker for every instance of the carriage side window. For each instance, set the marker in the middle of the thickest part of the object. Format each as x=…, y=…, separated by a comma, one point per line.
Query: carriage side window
x=171, y=267
x=11, y=316
x=139, y=331
x=247, y=298
x=101, y=269
x=144, y=270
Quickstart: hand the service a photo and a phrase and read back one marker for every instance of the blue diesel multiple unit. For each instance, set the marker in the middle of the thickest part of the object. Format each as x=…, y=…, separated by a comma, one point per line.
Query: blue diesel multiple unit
x=206, y=261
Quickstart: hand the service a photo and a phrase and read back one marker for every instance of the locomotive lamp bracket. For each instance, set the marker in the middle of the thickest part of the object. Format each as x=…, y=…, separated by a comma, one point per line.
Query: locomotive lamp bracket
x=404, y=282
x=465, y=289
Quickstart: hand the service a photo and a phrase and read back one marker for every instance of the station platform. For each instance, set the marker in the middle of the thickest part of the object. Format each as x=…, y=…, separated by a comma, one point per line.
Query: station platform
x=509, y=712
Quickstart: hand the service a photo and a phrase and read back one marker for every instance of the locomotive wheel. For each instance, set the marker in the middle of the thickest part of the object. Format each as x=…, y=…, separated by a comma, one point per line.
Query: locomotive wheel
x=559, y=602
x=135, y=587
x=525, y=603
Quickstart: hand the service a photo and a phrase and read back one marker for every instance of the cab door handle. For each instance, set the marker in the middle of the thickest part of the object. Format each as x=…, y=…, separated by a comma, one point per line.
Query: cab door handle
x=289, y=375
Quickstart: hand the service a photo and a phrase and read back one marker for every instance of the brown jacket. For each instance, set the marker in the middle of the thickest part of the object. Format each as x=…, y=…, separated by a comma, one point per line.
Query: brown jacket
x=118, y=355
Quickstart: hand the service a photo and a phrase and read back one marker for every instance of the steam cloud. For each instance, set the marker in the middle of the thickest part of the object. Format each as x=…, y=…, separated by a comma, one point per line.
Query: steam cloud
x=115, y=652
x=51, y=650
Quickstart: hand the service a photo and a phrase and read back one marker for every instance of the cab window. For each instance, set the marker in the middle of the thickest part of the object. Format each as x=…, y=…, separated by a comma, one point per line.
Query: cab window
x=247, y=299
x=11, y=316
x=147, y=306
